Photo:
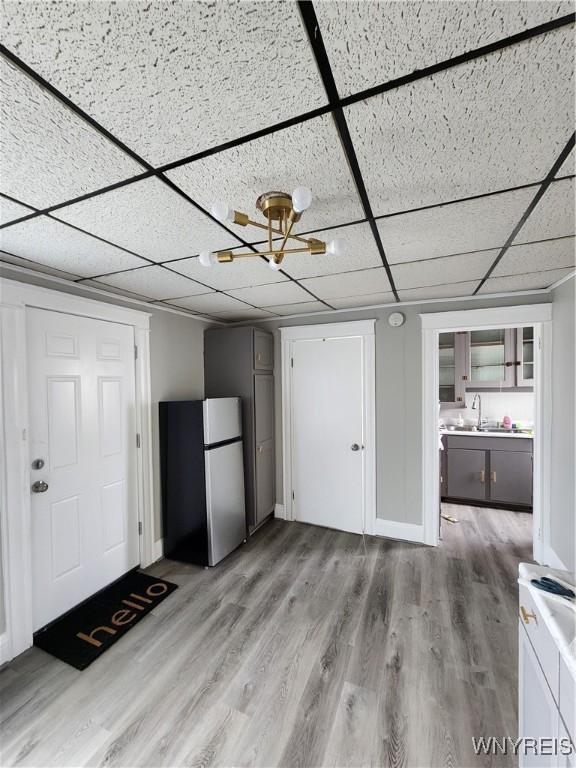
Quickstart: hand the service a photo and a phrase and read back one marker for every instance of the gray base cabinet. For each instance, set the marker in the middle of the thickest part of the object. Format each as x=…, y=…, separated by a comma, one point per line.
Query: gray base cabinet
x=487, y=470
x=239, y=362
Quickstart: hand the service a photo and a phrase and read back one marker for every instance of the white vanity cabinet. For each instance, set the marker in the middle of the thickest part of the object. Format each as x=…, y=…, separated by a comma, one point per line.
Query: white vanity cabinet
x=546, y=684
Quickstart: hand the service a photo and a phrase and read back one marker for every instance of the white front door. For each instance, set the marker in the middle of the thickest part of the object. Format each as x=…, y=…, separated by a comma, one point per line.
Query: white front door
x=327, y=432
x=82, y=428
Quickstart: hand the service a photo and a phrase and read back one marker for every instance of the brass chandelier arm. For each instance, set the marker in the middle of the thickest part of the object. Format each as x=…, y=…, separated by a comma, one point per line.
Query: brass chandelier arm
x=268, y=228
x=314, y=247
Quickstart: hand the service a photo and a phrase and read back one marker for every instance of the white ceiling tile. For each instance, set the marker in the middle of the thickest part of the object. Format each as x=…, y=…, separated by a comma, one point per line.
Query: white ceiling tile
x=536, y=257
x=269, y=295
x=149, y=218
x=472, y=225
x=553, y=215
x=49, y=154
x=113, y=289
x=366, y=300
x=448, y=269
x=525, y=282
x=369, y=43
x=349, y=284
x=54, y=244
x=155, y=282
x=242, y=273
x=359, y=252
x=9, y=258
x=10, y=211
x=299, y=308
x=308, y=154
x=439, y=291
x=247, y=314
x=170, y=79
x=214, y=304
x=468, y=130
x=568, y=167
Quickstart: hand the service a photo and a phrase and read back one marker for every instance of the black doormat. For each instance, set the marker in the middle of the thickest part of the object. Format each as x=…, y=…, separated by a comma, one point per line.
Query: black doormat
x=84, y=633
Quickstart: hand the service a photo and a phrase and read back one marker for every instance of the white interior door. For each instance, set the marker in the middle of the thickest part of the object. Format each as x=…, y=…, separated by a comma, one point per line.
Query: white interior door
x=328, y=432
x=82, y=427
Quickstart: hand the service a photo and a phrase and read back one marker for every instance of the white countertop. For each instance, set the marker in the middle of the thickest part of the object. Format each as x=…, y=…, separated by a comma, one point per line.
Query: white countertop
x=560, y=620
x=472, y=433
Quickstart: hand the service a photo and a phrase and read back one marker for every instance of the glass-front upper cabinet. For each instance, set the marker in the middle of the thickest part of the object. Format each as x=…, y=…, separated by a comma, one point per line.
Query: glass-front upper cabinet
x=491, y=358
x=451, y=362
x=525, y=356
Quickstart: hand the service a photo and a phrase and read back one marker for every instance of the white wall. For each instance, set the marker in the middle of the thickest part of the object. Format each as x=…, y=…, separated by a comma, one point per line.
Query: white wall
x=495, y=405
x=398, y=400
x=563, y=471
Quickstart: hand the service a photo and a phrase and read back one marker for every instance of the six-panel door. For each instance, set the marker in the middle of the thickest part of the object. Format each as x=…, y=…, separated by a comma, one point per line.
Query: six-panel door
x=82, y=441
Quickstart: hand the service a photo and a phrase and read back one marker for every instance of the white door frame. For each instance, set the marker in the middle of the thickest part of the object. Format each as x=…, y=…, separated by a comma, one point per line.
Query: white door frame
x=540, y=317
x=15, y=518
x=364, y=329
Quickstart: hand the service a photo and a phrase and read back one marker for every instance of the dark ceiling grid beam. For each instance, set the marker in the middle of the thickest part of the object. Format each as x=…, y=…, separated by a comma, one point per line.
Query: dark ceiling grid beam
x=534, y=202
x=312, y=27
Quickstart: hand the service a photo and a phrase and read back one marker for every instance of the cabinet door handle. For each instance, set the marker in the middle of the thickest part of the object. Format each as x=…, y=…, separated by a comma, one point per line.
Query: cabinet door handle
x=493, y=476
x=482, y=476
x=526, y=615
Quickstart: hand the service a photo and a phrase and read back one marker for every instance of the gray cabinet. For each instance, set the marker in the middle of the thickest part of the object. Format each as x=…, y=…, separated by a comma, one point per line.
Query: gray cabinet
x=239, y=362
x=487, y=470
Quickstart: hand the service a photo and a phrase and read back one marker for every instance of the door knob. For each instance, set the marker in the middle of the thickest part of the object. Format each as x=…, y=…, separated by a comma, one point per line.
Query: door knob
x=354, y=447
x=39, y=486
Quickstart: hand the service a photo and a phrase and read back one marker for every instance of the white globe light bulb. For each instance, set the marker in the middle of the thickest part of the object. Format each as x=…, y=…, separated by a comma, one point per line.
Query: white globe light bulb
x=301, y=199
x=206, y=258
x=222, y=212
x=335, y=248
x=273, y=265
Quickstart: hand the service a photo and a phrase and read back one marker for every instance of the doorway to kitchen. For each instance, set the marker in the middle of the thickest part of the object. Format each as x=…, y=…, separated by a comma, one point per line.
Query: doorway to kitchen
x=486, y=424
x=486, y=417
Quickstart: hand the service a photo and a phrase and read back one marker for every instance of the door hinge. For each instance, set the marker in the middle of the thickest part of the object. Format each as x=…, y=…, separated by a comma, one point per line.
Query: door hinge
x=135, y=353
x=291, y=362
x=138, y=440
x=292, y=495
x=139, y=528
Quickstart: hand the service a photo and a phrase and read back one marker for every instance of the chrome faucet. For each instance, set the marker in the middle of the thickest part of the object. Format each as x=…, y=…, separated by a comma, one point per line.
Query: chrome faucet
x=478, y=399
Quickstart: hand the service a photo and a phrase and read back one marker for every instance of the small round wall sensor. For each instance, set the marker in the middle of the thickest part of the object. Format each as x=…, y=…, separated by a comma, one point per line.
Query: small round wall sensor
x=396, y=319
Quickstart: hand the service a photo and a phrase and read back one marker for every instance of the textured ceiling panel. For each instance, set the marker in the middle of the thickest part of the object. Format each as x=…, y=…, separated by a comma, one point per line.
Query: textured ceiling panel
x=149, y=218
x=350, y=284
x=449, y=269
x=369, y=43
x=359, y=252
x=113, y=289
x=213, y=304
x=268, y=295
x=246, y=314
x=553, y=254
x=155, y=283
x=307, y=154
x=568, y=167
x=243, y=273
x=439, y=291
x=300, y=308
x=169, y=78
x=9, y=210
x=475, y=128
x=8, y=258
x=52, y=243
x=472, y=225
x=367, y=300
x=526, y=282
x=48, y=153
x=553, y=216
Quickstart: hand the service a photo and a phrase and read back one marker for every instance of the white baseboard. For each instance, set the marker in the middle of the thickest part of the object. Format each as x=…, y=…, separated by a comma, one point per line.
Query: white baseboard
x=390, y=529
x=551, y=558
x=280, y=511
x=158, y=550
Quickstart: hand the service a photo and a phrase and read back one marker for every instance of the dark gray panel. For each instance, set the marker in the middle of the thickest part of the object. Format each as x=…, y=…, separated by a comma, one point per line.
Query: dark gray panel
x=265, y=495
x=480, y=443
x=511, y=477
x=263, y=351
x=467, y=474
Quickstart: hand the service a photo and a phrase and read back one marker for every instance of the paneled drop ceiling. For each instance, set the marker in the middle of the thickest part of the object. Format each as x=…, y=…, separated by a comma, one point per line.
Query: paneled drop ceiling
x=437, y=138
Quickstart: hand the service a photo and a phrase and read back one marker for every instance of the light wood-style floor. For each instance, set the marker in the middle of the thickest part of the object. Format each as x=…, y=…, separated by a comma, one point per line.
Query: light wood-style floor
x=302, y=649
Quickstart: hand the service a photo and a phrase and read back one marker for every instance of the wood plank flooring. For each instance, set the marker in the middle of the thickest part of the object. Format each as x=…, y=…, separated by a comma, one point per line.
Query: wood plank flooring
x=304, y=648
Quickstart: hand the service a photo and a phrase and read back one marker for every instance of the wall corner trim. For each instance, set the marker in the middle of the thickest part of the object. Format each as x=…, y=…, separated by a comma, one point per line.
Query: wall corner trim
x=551, y=559
x=390, y=529
x=157, y=550
x=280, y=511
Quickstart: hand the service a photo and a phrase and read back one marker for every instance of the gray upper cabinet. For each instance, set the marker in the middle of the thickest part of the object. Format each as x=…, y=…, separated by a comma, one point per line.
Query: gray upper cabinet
x=239, y=362
x=489, y=357
x=451, y=351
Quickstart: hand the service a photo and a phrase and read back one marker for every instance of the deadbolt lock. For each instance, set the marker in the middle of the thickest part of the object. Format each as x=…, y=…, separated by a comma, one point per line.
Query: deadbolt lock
x=37, y=463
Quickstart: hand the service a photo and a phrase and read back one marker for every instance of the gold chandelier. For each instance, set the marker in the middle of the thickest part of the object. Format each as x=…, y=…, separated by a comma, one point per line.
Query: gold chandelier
x=282, y=211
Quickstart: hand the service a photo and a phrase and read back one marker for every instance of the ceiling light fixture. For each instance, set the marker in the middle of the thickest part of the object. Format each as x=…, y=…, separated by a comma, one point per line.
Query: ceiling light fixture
x=282, y=211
